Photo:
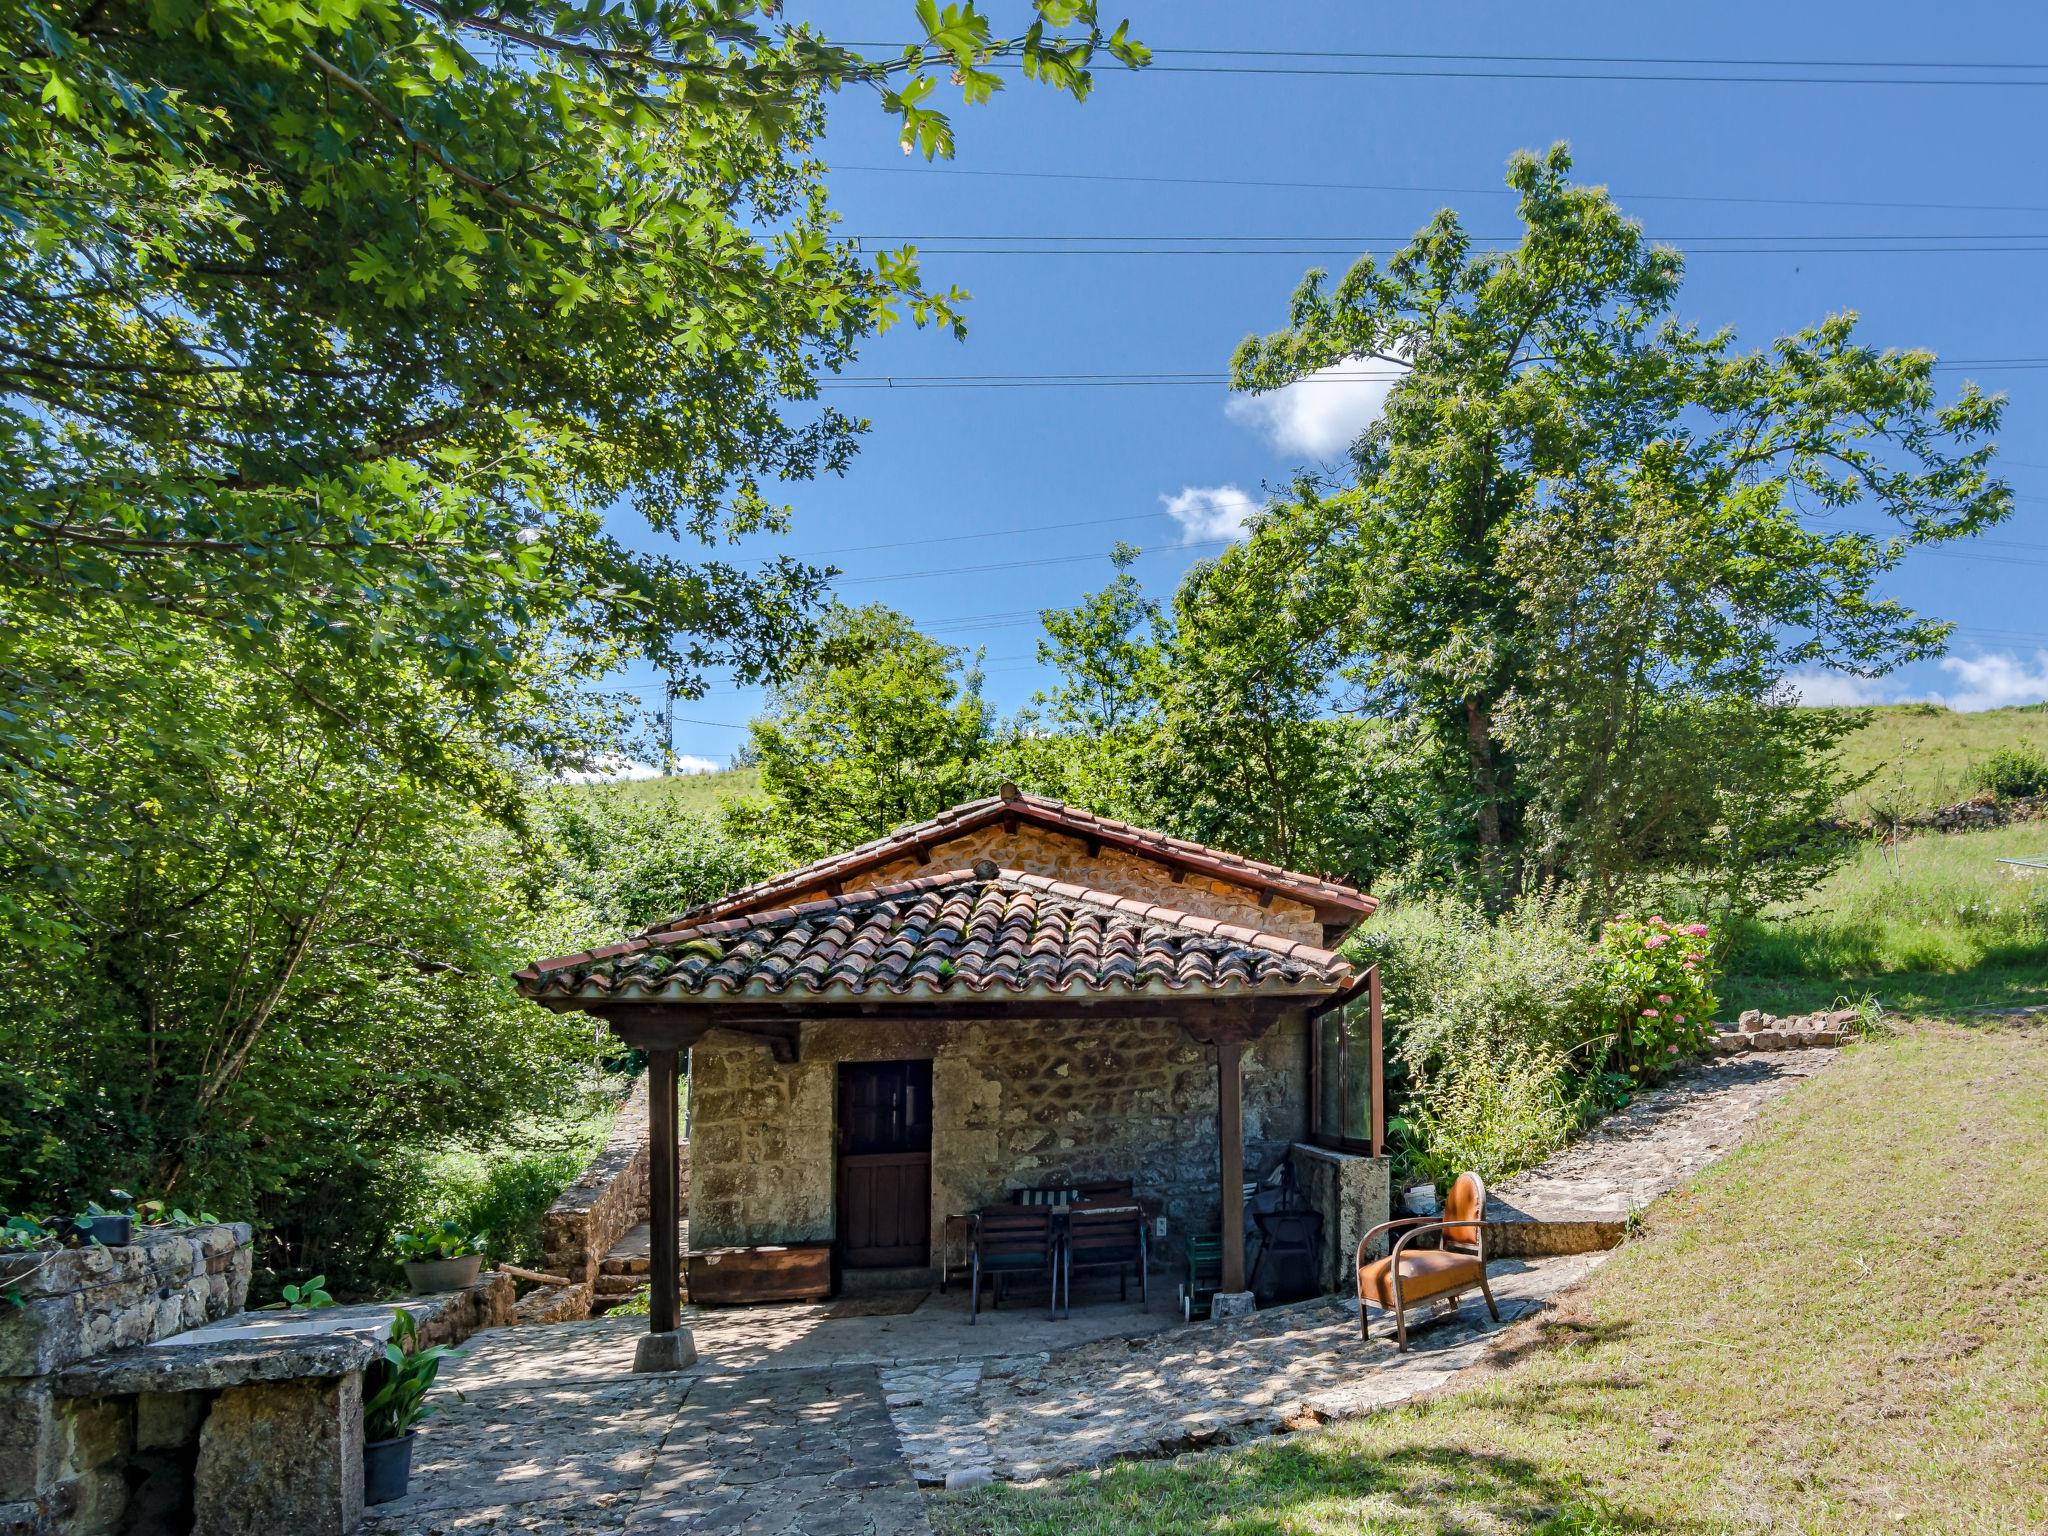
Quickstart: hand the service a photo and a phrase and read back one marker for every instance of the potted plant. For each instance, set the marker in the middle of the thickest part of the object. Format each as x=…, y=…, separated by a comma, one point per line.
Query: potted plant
x=393, y=1389
x=113, y=1227
x=444, y=1257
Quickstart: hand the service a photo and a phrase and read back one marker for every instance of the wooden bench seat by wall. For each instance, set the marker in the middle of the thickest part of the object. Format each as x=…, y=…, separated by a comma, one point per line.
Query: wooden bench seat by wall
x=776, y=1272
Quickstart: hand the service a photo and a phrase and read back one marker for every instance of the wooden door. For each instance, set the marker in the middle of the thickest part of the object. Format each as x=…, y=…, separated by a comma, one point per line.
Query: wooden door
x=885, y=1163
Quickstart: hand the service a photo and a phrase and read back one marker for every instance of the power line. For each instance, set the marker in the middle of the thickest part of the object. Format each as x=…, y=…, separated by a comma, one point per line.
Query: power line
x=1496, y=190
x=1170, y=378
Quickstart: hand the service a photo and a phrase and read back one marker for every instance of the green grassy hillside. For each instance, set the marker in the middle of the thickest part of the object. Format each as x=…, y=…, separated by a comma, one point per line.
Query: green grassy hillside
x=690, y=791
x=1925, y=755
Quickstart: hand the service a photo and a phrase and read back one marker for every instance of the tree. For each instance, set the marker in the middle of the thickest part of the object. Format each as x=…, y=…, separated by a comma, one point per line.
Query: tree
x=341, y=327
x=1560, y=448
x=876, y=725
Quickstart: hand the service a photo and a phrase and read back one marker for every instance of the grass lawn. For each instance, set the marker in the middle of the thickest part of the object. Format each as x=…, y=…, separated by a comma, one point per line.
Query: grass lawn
x=699, y=792
x=1842, y=1328
x=1934, y=926
x=1925, y=755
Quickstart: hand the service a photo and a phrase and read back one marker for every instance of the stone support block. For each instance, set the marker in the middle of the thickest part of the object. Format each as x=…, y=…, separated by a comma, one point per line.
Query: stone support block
x=1353, y=1194
x=282, y=1456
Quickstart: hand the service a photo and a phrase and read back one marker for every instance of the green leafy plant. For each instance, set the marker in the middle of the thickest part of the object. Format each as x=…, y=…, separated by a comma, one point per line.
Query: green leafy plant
x=160, y=1213
x=2013, y=771
x=442, y=1240
x=1658, y=979
x=309, y=1297
x=24, y=1233
x=394, y=1386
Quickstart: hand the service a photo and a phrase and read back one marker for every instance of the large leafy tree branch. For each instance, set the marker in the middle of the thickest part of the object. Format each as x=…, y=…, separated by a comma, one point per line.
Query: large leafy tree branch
x=349, y=322
x=1555, y=422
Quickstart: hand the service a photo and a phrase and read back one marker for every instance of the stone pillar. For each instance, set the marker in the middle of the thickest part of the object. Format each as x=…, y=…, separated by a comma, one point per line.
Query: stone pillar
x=278, y=1456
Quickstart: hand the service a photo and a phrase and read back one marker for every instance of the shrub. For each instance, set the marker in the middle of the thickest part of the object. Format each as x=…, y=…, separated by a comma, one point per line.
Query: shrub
x=1491, y=1109
x=1657, y=978
x=2021, y=769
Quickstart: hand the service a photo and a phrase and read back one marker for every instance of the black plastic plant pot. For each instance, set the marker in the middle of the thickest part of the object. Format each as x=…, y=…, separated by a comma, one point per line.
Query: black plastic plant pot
x=387, y=1468
x=114, y=1231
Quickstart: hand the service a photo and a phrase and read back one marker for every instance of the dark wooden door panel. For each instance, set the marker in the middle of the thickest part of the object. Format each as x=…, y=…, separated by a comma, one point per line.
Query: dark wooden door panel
x=885, y=1173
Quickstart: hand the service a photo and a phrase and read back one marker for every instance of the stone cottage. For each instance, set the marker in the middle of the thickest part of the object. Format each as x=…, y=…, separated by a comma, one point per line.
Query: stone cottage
x=1013, y=993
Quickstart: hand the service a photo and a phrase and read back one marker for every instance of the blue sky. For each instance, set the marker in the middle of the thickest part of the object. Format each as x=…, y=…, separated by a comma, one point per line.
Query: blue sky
x=1016, y=494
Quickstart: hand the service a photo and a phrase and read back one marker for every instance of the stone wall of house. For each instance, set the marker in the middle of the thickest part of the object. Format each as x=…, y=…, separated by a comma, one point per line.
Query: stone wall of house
x=608, y=1199
x=1062, y=856
x=62, y=1459
x=1354, y=1195
x=1015, y=1102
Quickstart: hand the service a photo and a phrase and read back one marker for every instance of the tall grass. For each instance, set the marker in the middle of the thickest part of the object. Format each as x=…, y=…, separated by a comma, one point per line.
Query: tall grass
x=1926, y=756
x=1937, y=902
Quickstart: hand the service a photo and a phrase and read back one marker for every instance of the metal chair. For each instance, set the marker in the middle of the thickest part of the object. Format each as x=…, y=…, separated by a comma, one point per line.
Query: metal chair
x=1204, y=1275
x=1011, y=1240
x=1105, y=1234
x=1408, y=1275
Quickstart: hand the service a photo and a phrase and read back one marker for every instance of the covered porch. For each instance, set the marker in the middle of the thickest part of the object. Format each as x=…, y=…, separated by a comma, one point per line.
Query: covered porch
x=868, y=1069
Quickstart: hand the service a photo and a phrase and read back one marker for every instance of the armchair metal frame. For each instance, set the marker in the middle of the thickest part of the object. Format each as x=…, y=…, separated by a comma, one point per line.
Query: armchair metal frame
x=1418, y=1226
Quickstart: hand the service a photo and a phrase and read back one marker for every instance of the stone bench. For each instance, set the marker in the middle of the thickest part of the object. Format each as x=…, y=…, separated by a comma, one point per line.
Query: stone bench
x=249, y=1424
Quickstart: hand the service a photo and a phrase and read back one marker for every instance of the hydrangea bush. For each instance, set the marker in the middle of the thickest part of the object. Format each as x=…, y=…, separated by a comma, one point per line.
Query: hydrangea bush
x=1659, y=982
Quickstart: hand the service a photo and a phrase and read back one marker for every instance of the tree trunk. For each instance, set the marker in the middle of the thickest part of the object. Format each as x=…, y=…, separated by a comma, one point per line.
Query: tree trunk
x=1484, y=753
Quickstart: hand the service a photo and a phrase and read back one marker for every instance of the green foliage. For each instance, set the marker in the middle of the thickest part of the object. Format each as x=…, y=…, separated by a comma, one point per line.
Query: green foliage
x=309, y=1297
x=1493, y=1109
x=630, y=862
x=2014, y=771
x=876, y=725
x=395, y=1385
x=336, y=330
x=501, y=1190
x=1574, y=546
x=448, y=1239
x=1658, y=979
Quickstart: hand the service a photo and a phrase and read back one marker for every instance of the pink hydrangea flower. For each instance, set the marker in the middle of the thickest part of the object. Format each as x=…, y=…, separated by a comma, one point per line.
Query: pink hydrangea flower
x=1692, y=959
x=1649, y=1013
x=1656, y=940
x=1658, y=922
x=1664, y=997
x=1678, y=1018
x=1695, y=930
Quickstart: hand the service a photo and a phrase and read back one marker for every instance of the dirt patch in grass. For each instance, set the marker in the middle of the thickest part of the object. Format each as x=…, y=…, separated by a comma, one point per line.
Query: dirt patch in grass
x=1841, y=1328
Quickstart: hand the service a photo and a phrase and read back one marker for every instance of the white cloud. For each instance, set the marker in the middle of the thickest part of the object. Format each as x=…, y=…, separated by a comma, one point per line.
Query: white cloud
x=613, y=767
x=1210, y=512
x=1324, y=413
x=1835, y=689
x=1996, y=680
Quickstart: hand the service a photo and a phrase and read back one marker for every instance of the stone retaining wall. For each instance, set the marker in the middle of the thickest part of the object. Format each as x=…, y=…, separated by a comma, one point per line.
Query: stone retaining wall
x=608, y=1199
x=61, y=1459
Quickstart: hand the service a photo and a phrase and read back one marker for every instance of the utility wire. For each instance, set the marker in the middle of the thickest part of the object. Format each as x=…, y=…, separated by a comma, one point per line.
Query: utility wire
x=1495, y=190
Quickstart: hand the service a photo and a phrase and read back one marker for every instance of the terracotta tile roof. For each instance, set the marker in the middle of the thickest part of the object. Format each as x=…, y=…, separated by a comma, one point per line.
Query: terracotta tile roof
x=1328, y=896
x=981, y=931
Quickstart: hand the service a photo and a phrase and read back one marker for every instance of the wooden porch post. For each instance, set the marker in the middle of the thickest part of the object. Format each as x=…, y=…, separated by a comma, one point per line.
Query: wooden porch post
x=1230, y=1144
x=665, y=1310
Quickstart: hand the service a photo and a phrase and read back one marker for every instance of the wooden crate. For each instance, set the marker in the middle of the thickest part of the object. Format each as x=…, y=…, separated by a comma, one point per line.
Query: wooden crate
x=784, y=1272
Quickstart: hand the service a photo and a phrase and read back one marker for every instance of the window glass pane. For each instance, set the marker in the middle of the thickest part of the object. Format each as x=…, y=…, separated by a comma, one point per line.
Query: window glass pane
x=1357, y=1124
x=1329, y=1085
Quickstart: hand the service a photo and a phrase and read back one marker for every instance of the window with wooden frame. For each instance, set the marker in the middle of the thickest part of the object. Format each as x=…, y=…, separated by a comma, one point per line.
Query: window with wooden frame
x=1347, y=1076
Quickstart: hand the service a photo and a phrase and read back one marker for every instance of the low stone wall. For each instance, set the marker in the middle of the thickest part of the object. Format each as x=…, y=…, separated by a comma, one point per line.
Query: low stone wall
x=1353, y=1195
x=1760, y=1031
x=553, y=1304
x=608, y=1199
x=62, y=1459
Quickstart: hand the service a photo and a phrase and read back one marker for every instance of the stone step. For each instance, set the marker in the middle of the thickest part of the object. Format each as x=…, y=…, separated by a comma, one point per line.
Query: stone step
x=634, y=1264
x=617, y=1285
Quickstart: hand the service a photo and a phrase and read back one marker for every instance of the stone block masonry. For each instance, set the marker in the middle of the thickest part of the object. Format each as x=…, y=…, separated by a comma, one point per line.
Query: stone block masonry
x=608, y=1199
x=1014, y=1103
x=61, y=1459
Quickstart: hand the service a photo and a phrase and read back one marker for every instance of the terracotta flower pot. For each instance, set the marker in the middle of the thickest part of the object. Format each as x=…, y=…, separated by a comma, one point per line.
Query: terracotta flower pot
x=387, y=1468
x=428, y=1277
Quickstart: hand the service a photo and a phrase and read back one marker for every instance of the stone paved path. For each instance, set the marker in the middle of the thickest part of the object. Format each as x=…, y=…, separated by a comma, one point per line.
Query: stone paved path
x=1585, y=1194
x=793, y=1453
